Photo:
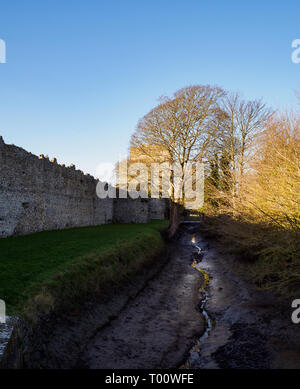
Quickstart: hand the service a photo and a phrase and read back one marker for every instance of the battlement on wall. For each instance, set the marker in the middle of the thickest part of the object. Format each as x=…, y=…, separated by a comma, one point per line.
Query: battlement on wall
x=38, y=194
x=20, y=162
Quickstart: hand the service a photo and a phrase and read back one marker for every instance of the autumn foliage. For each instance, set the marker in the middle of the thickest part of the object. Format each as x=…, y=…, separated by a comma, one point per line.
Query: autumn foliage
x=263, y=219
x=271, y=190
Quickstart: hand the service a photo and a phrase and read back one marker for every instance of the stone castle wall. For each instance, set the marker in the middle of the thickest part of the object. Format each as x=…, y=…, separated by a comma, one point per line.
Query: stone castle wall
x=131, y=211
x=140, y=210
x=37, y=194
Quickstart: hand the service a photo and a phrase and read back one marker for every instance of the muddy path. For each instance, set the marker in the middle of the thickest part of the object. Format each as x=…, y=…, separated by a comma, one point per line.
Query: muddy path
x=151, y=322
x=239, y=327
x=248, y=328
x=157, y=328
x=189, y=309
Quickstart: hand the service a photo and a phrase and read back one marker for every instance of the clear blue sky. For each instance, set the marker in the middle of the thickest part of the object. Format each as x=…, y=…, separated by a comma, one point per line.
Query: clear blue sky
x=79, y=74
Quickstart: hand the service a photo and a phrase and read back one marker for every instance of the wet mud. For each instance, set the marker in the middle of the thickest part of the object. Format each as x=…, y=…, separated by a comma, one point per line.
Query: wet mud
x=249, y=329
x=189, y=309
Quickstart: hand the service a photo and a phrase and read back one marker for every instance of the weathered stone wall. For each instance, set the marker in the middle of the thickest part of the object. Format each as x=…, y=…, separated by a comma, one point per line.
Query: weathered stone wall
x=140, y=210
x=131, y=211
x=159, y=209
x=36, y=195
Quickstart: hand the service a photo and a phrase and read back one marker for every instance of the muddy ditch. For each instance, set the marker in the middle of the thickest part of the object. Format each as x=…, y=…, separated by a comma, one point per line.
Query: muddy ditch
x=189, y=309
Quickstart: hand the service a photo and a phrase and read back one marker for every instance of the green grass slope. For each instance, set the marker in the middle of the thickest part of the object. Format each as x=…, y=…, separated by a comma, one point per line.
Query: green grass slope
x=54, y=269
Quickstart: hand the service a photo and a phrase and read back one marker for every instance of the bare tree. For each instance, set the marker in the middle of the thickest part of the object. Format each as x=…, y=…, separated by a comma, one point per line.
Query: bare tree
x=185, y=125
x=244, y=121
x=252, y=118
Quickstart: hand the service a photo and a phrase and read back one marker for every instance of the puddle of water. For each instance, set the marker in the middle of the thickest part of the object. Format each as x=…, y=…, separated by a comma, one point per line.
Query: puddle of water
x=195, y=352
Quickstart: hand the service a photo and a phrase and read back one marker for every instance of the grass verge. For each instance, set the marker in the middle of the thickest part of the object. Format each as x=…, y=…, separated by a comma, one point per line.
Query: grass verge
x=57, y=270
